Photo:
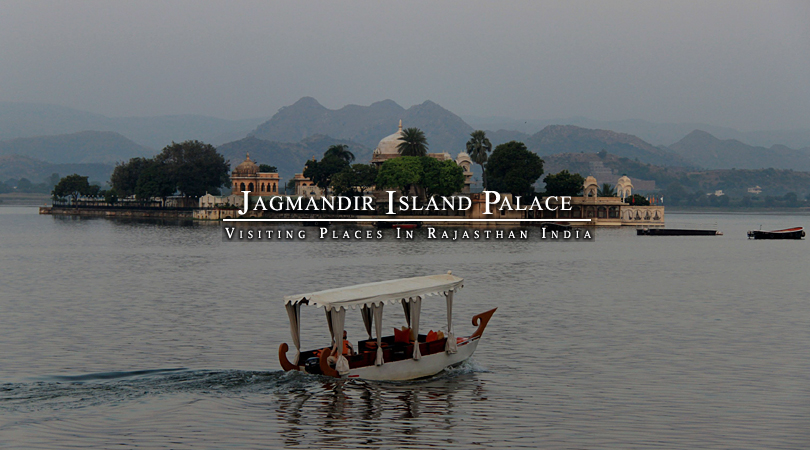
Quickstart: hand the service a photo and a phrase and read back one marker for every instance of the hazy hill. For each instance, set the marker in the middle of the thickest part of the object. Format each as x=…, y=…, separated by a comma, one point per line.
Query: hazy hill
x=36, y=170
x=19, y=120
x=555, y=139
x=366, y=125
x=289, y=158
x=713, y=153
x=774, y=182
x=652, y=132
x=83, y=147
x=502, y=136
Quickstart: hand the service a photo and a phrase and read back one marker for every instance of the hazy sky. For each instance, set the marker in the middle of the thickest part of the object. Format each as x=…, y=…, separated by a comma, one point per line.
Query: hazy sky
x=734, y=63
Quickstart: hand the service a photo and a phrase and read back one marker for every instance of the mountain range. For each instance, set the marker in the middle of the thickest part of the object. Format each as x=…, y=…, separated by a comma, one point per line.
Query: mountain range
x=713, y=153
x=22, y=120
x=658, y=134
x=82, y=147
x=37, y=170
x=366, y=125
x=305, y=129
x=288, y=157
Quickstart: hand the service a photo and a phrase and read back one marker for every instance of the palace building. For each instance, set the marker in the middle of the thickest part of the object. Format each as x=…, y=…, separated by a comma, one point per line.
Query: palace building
x=246, y=177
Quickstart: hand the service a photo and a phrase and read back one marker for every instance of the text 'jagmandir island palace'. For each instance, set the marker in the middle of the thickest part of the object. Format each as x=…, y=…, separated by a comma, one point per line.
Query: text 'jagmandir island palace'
x=402, y=178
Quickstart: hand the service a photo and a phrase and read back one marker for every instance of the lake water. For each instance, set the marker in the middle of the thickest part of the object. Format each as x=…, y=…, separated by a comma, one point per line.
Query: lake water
x=159, y=335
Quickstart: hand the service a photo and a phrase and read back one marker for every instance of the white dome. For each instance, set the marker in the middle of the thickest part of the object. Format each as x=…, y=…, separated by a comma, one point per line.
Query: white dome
x=389, y=145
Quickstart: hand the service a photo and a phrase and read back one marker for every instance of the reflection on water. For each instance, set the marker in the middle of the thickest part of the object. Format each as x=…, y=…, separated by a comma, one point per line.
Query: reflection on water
x=156, y=334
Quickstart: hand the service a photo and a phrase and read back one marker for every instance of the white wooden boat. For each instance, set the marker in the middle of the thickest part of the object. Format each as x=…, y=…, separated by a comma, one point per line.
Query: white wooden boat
x=383, y=357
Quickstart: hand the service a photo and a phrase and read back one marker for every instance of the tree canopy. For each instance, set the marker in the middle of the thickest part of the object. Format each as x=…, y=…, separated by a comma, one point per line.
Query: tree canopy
x=354, y=179
x=321, y=172
x=441, y=177
x=564, y=184
x=434, y=176
x=268, y=168
x=155, y=180
x=341, y=151
x=513, y=168
x=606, y=190
x=191, y=167
x=195, y=167
x=478, y=147
x=414, y=143
x=74, y=186
x=638, y=200
x=400, y=173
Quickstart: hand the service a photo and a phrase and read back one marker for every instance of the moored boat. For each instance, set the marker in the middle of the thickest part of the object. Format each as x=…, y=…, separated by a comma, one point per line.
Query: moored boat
x=403, y=225
x=406, y=355
x=787, y=233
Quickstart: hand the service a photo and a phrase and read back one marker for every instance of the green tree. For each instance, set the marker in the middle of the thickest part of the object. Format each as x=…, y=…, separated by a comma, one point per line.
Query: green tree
x=195, y=168
x=289, y=188
x=414, y=143
x=73, y=186
x=267, y=168
x=354, y=180
x=564, y=184
x=111, y=196
x=441, y=177
x=400, y=173
x=125, y=176
x=513, y=168
x=341, y=151
x=637, y=200
x=478, y=147
x=155, y=181
x=321, y=172
x=606, y=190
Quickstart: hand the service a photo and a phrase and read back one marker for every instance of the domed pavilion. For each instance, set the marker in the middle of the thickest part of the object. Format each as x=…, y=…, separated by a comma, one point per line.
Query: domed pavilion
x=246, y=177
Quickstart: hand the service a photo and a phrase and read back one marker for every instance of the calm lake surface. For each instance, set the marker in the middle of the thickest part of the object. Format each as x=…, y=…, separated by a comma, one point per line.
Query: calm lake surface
x=160, y=335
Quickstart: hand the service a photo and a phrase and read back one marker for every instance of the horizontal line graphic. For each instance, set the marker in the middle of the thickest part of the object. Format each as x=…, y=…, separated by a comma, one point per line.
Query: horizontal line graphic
x=406, y=220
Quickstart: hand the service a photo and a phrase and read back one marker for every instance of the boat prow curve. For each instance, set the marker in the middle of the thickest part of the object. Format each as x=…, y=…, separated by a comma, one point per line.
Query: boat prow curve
x=481, y=321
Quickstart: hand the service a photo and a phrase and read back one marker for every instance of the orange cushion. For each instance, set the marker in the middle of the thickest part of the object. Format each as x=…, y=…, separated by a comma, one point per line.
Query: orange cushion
x=403, y=336
x=432, y=336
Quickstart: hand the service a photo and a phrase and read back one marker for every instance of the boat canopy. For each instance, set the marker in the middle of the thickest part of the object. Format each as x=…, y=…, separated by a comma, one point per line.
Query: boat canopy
x=371, y=297
x=392, y=291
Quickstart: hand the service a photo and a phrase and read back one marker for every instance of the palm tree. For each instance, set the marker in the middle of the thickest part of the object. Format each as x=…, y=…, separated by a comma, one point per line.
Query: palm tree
x=341, y=151
x=606, y=191
x=478, y=147
x=413, y=143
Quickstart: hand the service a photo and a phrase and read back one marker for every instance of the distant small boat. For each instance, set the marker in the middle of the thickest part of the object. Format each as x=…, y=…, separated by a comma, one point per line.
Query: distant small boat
x=320, y=223
x=787, y=233
x=407, y=226
x=403, y=225
x=676, y=232
x=557, y=226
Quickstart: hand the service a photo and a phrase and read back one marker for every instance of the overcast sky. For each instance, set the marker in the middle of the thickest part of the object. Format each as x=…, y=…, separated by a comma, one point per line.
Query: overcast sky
x=736, y=63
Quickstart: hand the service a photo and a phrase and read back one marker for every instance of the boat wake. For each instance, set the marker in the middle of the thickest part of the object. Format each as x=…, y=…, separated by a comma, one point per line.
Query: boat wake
x=112, y=388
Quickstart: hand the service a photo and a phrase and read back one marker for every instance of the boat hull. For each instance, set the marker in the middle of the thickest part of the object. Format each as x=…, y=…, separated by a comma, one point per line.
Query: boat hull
x=404, y=369
x=410, y=369
x=791, y=233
